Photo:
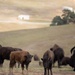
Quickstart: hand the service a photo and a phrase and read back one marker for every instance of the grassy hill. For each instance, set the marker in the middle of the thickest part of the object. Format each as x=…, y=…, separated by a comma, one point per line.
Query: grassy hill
x=36, y=41
x=39, y=40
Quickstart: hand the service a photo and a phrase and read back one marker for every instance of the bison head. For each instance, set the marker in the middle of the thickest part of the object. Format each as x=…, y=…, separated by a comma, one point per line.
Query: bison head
x=46, y=62
x=28, y=58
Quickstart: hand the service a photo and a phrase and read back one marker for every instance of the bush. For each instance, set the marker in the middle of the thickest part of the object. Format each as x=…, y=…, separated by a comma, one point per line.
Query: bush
x=57, y=21
x=69, y=17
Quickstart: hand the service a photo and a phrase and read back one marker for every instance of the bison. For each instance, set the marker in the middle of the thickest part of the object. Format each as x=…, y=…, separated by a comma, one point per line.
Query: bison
x=23, y=57
x=5, y=53
x=65, y=61
x=58, y=54
x=48, y=59
x=72, y=58
x=36, y=58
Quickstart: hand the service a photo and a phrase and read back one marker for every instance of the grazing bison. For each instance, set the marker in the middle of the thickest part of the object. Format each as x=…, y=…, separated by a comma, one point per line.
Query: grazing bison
x=5, y=53
x=47, y=59
x=65, y=61
x=23, y=57
x=36, y=58
x=58, y=53
x=72, y=58
x=70, y=61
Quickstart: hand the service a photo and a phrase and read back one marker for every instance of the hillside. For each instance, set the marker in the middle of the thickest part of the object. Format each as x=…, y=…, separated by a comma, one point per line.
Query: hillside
x=35, y=35
x=39, y=10
x=42, y=39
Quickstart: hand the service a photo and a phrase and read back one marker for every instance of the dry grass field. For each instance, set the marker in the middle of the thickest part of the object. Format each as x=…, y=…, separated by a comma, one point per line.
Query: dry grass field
x=37, y=41
x=35, y=35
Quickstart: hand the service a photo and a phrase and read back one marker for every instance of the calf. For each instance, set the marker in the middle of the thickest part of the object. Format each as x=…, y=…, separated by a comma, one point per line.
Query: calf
x=58, y=54
x=23, y=57
x=47, y=59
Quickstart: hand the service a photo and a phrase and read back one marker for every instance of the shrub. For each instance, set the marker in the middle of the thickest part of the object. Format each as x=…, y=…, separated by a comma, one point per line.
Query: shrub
x=57, y=21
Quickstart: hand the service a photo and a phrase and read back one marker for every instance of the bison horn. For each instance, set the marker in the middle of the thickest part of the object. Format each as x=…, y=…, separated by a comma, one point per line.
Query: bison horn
x=72, y=49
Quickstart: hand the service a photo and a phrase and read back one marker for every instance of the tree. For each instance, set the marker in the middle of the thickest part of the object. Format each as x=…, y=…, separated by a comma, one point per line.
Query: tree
x=57, y=21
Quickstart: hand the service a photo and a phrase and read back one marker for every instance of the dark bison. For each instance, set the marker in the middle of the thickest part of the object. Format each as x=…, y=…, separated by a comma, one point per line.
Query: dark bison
x=70, y=61
x=47, y=59
x=36, y=58
x=72, y=58
x=65, y=61
x=58, y=54
x=23, y=57
x=73, y=49
x=5, y=53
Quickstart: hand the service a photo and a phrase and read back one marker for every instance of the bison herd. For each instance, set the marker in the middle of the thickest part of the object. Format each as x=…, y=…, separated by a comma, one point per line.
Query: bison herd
x=22, y=57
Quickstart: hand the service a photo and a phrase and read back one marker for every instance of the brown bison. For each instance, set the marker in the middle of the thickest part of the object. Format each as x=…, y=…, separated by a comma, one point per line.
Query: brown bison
x=5, y=53
x=23, y=57
x=48, y=59
x=58, y=54
x=65, y=61
x=36, y=58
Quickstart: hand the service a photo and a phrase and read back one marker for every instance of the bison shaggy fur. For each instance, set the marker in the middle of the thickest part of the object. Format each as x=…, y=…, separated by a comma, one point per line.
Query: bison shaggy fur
x=48, y=59
x=65, y=61
x=58, y=53
x=5, y=53
x=23, y=57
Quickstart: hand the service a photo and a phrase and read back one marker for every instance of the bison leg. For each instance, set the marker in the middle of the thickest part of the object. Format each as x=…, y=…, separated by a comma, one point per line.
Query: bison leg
x=74, y=67
x=48, y=71
x=27, y=68
x=11, y=65
x=22, y=66
x=45, y=71
x=51, y=71
x=59, y=62
x=18, y=65
x=1, y=62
